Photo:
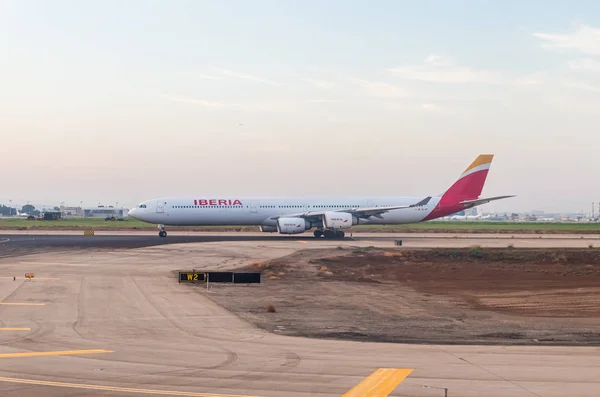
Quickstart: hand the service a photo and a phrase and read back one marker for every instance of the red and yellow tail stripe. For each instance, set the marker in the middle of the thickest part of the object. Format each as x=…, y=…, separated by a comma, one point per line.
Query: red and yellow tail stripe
x=482, y=162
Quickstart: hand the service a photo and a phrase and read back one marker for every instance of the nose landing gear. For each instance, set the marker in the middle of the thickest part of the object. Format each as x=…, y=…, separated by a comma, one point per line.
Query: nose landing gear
x=162, y=232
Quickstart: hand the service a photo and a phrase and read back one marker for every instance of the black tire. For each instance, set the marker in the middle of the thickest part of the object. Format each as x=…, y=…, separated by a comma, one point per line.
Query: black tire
x=318, y=233
x=162, y=233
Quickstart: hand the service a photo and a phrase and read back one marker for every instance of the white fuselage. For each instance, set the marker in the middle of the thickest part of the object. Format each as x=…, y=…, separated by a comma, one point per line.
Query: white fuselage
x=191, y=211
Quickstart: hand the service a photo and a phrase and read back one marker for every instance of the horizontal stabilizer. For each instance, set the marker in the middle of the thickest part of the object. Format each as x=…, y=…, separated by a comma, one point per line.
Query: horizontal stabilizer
x=480, y=201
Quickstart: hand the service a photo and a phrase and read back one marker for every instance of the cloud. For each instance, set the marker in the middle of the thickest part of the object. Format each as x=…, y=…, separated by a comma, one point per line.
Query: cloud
x=321, y=83
x=535, y=78
x=323, y=100
x=585, y=39
x=430, y=106
x=277, y=107
x=248, y=77
x=199, y=102
x=267, y=107
x=207, y=77
x=527, y=81
x=438, y=60
x=585, y=64
x=581, y=86
x=380, y=89
x=438, y=69
x=413, y=106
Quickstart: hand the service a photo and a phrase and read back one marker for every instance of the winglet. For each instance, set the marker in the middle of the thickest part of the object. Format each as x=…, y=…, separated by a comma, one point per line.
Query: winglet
x=422, y=202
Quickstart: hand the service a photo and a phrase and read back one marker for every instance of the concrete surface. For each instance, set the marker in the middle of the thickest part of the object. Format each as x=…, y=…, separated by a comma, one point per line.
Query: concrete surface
x=155, y=334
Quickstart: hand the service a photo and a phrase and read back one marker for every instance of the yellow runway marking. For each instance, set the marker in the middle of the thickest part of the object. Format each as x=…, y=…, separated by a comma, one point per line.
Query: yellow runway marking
x=380, y=383
x=15, y=329
x=116, y=389
x=22, y=304
x=58, y=353
x=302, y=242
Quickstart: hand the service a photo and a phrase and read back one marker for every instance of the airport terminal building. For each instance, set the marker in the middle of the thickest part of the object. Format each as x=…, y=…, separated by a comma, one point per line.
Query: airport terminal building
x=103, y=212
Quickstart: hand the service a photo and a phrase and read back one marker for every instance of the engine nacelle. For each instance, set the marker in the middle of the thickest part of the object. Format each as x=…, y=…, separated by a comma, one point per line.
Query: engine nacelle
x=339, y=220
x=268, y=229
x=292, y=225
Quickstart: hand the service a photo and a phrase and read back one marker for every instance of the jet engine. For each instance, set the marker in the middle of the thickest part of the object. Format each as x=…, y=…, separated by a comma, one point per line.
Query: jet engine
x=268, y=229
x=339, y=220
x=292, y=225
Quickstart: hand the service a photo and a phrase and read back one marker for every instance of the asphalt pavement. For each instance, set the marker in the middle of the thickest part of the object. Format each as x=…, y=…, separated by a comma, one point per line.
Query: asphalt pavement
x=12, y=245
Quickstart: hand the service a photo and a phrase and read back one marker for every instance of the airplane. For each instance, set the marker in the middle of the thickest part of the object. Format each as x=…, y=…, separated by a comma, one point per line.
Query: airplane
x=329, y=216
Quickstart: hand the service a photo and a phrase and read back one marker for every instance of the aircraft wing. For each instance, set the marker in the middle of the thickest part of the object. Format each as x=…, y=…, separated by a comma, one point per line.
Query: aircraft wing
x=377, y=211
x=473, y=203
x=366, y=212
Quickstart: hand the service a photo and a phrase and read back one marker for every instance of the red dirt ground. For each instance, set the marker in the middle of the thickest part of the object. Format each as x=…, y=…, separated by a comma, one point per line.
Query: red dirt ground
x=472, y=295
x=556, y=283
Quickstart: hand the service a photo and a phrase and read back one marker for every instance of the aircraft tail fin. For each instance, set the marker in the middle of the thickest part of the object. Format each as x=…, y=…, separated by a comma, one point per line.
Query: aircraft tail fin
x=470, y=183
x=465, y=192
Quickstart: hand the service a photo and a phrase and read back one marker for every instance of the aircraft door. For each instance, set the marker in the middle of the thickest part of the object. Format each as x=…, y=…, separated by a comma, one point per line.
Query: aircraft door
x=254, y=206
x=160, y=207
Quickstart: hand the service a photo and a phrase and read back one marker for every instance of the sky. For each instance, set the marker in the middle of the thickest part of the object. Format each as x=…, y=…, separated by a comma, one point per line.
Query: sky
x=110, y=101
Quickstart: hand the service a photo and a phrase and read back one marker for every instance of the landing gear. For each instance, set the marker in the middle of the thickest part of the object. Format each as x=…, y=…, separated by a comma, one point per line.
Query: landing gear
x=328, y=233
x=162, y=232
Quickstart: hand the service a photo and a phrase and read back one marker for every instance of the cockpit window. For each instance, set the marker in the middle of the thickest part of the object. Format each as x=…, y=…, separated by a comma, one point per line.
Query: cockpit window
x=142, y=206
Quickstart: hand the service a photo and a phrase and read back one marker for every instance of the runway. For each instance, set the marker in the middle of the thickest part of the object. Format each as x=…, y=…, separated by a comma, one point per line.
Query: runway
x=104, y=316
x=16, y=242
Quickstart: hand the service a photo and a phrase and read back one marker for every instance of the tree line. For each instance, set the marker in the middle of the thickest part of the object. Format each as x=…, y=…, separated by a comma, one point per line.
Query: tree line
x=26, y=209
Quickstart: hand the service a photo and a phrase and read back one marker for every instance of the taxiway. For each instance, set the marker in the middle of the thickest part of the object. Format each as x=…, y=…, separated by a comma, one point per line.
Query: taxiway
x=105, y=316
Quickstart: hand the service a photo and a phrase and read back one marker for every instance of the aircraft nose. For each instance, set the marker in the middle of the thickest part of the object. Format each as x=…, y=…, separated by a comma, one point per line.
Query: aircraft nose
x=133, y=212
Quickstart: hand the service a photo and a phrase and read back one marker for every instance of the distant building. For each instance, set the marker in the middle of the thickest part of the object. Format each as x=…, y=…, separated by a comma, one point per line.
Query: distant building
x=71, y=211
x=51, y=215
x=103, y=212
x=471, y=211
